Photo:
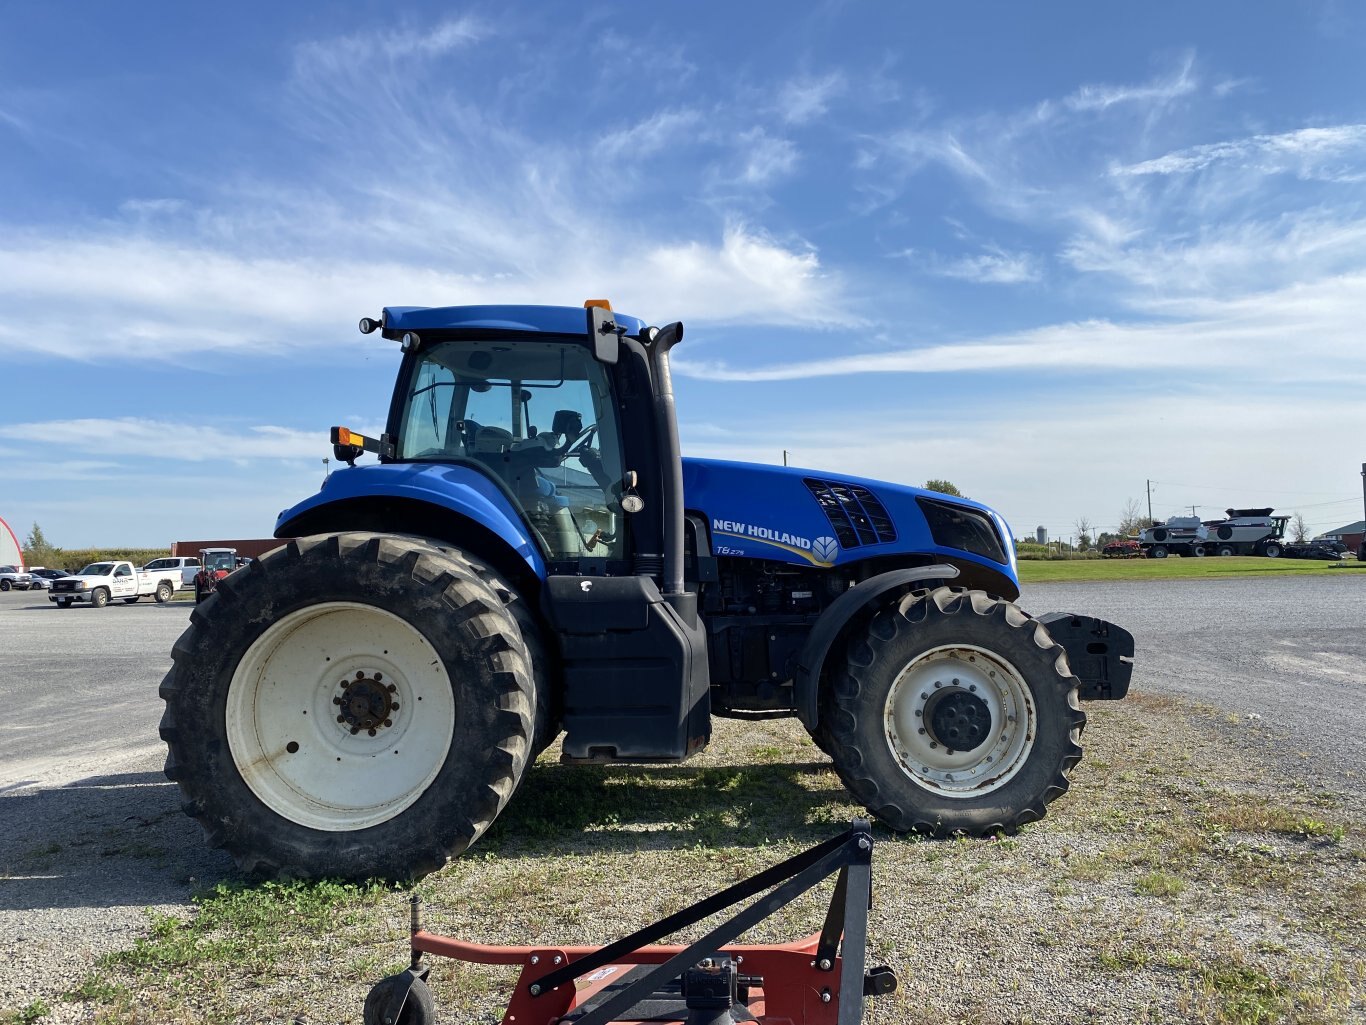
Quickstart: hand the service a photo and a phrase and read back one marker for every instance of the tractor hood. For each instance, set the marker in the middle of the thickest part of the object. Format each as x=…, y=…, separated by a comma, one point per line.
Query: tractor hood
x=825, y=519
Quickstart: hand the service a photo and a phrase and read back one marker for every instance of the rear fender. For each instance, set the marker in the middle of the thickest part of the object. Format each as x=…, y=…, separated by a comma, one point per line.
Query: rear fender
x=455, y=504
x=847, y=608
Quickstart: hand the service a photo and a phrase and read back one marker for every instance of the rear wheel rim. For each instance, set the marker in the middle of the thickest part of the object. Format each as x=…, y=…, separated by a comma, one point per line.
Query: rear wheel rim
x=981, y=689
x=340, y=716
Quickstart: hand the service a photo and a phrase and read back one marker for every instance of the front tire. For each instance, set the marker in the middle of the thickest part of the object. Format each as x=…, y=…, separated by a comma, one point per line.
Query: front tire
x=1272, y=551
x=4, y=585
x=956, y=713
x=1226, y=551
x=352, y=705
x=99, y=598
x=1157, y=552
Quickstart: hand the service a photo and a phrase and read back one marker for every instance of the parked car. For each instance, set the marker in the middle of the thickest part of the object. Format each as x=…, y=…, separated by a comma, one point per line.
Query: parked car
x=14, y=578
x=187, y=565
x=43, y=577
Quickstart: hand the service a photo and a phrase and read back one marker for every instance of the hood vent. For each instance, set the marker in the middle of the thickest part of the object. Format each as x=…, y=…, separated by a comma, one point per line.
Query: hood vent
x=856, y=515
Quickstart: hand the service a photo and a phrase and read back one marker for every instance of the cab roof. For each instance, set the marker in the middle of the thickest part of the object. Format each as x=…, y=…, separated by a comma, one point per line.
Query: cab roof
x=557, y=320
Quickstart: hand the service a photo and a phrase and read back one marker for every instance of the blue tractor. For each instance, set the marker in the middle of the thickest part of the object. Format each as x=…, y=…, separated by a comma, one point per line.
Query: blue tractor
x=532, y=557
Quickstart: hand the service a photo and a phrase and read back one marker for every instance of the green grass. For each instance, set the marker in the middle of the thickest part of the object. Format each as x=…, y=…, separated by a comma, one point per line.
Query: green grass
x=1174, y=568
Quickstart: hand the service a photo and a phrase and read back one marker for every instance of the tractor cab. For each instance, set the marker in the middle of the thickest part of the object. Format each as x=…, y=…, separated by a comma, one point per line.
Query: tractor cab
x=539, y=419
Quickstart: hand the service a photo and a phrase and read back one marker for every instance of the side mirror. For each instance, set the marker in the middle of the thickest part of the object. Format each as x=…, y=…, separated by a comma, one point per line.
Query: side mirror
x=602, y=326
x=347, y=454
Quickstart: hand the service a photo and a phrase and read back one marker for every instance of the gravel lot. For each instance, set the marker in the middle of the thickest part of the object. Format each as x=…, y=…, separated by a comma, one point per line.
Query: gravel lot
x=1206, y=867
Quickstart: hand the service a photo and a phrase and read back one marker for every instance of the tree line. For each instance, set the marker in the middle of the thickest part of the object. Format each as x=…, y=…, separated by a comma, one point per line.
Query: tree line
x=38, y=551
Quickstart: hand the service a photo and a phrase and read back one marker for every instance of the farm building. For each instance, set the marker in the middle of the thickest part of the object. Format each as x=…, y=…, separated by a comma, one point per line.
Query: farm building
x=11, y=552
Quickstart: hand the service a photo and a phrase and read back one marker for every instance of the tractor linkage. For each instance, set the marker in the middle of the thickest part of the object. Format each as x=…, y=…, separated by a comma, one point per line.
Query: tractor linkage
x=712, y=981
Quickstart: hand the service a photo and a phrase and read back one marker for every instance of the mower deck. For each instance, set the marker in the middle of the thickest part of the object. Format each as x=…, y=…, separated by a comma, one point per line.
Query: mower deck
x=712, y=981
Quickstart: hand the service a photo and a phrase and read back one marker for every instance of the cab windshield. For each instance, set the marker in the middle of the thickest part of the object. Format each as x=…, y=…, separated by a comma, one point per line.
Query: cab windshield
x=538, y=417
x=97, y=569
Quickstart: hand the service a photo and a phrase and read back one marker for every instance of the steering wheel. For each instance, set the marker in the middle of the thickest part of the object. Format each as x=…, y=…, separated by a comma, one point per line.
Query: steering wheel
x=580, y=443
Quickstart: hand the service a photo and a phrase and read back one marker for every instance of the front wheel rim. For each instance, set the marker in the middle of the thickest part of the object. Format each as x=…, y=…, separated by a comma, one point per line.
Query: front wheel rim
x=340, y=716
x=978, y=683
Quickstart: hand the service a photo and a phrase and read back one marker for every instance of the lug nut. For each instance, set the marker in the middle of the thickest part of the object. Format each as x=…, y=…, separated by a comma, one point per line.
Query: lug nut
x=390, y=688
x=378, y=677
x=341, y=718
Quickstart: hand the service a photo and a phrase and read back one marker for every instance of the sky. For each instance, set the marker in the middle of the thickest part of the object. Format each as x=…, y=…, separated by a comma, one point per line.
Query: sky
x=1056, y=254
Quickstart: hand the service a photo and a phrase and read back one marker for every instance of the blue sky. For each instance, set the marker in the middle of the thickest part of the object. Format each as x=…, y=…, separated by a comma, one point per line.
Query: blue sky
x=1048, y=252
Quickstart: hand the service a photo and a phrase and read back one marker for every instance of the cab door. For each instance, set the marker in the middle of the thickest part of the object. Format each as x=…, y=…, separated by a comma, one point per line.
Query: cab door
x=124, y=583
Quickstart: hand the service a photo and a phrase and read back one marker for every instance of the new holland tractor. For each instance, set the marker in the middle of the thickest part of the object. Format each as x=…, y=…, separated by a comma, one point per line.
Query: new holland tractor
x=531, y=557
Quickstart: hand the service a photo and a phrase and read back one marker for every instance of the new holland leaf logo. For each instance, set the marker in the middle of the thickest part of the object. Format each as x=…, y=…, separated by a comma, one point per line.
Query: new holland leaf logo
x=825, y=548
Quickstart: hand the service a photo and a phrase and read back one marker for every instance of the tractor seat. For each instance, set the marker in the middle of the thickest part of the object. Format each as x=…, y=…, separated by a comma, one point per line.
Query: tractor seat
x=492, y=441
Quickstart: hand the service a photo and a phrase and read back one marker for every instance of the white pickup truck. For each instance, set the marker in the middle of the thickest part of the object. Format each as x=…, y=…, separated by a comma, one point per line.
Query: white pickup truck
x=101, y=581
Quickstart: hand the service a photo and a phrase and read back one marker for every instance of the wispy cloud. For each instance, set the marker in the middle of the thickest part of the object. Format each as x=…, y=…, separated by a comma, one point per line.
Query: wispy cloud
x=1239, y=337
x=1305, y=152
x=1181, y=81
x=765, y=158
x=802, y=100
x=347, y=52
x=134, y=437
x=994, y=266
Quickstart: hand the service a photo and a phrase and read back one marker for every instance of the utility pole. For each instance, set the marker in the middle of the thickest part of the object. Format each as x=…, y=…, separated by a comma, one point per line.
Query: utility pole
x=784, y=457
x=1361, y=548
x=1150, y=502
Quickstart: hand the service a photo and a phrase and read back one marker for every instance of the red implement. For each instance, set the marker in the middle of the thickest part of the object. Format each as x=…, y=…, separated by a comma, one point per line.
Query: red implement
x=713, y=981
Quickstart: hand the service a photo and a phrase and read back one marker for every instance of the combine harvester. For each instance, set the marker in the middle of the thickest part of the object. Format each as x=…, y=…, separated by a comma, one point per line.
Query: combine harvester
x=1242, y=532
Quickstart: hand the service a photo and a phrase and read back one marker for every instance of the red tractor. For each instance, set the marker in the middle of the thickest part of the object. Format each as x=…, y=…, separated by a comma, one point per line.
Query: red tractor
x=214, y=565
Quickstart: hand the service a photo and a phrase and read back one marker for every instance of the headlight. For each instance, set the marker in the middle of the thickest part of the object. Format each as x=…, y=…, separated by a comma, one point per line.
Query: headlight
x=85, y=585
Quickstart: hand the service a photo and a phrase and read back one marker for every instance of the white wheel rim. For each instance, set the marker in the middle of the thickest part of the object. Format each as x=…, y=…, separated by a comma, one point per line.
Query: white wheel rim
x=956, y=672
x=282, y=716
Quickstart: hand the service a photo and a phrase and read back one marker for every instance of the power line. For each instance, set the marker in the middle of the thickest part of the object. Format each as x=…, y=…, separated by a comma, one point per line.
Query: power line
x=1258, y=490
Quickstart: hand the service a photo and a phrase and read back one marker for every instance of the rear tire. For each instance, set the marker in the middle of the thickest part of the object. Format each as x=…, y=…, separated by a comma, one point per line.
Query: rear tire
x=547, y=725
x=1157, y=552
x=99, y=598
x=164, y=593
x=949, y=667
x=292, y=709
x=1225, y=551
x=1198, y=551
